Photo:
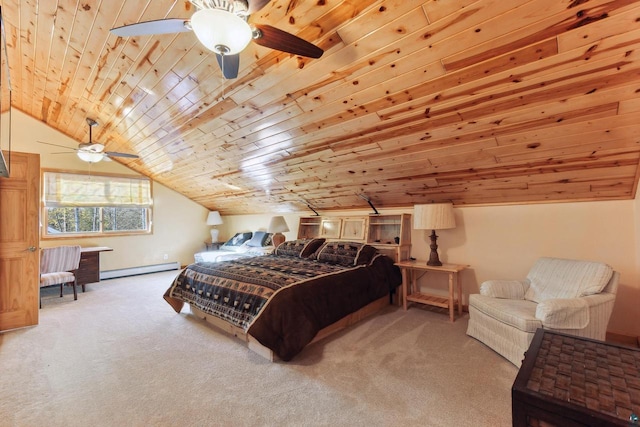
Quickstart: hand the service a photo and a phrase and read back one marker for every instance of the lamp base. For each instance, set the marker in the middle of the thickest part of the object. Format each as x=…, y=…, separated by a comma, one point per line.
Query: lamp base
x=278, y=239
x=434, y=260
x=214, y=235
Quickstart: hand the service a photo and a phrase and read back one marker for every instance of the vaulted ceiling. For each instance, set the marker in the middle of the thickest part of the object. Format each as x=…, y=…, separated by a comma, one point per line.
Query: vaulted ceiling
x=469, y=101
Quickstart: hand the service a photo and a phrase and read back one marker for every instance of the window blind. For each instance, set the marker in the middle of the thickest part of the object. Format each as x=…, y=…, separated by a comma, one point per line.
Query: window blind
x=67, y=189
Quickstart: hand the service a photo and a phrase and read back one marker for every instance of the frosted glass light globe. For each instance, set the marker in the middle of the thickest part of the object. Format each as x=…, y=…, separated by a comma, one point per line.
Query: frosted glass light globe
x=218, y=29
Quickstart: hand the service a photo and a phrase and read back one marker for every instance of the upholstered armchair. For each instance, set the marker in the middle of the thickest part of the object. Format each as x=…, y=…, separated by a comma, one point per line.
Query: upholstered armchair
x=570, y=296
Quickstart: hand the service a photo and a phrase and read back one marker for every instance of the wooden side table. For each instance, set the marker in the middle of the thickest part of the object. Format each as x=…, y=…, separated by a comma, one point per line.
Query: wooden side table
x=411, y=269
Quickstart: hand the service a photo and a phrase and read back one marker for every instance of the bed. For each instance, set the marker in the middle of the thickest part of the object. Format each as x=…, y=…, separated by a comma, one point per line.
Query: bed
x=304, y=291
x=241, y=245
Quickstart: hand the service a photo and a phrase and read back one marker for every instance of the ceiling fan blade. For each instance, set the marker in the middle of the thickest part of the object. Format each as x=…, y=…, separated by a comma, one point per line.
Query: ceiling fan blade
x=277, y=39
x=56, y=145
x=231, y=65
x=158, y=26
x=116, y=154
x=256, y=5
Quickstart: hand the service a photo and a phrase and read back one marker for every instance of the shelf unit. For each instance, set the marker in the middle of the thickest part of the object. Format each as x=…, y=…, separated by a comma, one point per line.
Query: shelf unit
x=390, y=234
x=353, y=229
x=330, y=228
x=309, y=227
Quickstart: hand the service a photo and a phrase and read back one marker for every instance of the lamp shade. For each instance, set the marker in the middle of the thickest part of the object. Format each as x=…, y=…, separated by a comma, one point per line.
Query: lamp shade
x=435, y=216
x=221, y=31
x=214, y=218
x=278, y=225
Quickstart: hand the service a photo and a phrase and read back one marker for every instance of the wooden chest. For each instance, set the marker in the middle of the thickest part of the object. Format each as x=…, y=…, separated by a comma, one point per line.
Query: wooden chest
x=572, y=381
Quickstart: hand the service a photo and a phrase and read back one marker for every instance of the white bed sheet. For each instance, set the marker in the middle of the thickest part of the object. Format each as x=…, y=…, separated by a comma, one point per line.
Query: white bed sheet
x=232, y=253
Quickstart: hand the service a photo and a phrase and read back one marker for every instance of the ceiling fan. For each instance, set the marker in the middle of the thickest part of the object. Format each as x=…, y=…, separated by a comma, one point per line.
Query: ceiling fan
x=222, y=26
x=93, y=152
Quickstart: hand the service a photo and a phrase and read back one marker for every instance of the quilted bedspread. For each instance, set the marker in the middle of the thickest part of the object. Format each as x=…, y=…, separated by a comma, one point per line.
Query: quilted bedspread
x=282, y=301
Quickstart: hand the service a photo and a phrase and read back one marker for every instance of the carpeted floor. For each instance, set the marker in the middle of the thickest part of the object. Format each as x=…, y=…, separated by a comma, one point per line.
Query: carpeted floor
x=120, y=356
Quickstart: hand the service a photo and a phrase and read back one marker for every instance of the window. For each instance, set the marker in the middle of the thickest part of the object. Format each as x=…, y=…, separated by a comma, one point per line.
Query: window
x=77, y=205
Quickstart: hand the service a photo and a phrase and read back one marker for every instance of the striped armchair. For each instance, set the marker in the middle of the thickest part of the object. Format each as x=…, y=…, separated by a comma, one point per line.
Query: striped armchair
x=570, y=296
x=58, y=266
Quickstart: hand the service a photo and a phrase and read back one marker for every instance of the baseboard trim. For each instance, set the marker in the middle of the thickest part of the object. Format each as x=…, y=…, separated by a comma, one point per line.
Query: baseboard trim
x=135, y=271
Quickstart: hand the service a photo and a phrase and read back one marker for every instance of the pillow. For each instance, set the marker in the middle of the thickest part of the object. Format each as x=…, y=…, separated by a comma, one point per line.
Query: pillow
x=311, y=247
x=259, y=239
x=557, y=278
x=345, y=253
x=302, y=248
x=238, y=239
x=507, y=289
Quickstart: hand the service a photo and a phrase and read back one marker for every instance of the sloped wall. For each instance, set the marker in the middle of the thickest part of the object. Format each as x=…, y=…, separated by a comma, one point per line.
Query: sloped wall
x=179, y=228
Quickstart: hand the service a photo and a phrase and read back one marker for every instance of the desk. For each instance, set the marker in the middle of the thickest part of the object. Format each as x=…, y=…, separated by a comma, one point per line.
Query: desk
x=89, y=270
x=573, y=381
x=411, y=291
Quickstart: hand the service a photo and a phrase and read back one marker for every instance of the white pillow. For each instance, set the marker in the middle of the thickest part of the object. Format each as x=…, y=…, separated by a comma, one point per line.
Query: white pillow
x=552, y=278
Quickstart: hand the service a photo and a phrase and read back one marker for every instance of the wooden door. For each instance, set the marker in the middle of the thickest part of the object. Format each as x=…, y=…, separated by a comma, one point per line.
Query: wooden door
x=19, y=254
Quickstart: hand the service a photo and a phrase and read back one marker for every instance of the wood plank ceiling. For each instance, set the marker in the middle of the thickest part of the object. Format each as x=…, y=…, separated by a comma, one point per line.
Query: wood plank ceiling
x=469, y=101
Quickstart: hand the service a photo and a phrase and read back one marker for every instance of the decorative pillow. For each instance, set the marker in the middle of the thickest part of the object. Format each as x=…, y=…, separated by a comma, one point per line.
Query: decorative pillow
x=311, y=247
x=345, y=253
x=553, y=278
x=259, y=239
x=507, y=289
x=366, y=254
x=238, y=239
x=303, y=248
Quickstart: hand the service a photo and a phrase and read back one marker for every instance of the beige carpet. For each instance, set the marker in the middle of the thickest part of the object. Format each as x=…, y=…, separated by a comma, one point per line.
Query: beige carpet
x=120, y=356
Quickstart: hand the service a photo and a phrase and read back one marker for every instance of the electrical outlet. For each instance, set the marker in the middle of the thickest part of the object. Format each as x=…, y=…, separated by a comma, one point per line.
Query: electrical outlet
x=166, y=256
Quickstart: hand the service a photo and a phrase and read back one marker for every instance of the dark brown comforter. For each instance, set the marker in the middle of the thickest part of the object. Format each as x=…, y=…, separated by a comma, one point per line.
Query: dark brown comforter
x=282, y=301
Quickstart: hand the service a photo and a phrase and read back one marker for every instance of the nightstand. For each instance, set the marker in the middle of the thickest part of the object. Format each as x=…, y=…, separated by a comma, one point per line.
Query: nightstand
x=411, y=291
x=212, y=246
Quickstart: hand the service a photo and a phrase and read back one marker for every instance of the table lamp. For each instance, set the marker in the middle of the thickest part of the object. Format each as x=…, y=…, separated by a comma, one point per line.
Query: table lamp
x=435, y=216
x=214, y=219
x=277, y=226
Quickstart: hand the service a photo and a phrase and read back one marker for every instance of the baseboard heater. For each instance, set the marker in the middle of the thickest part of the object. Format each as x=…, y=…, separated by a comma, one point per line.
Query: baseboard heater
x=135, y=271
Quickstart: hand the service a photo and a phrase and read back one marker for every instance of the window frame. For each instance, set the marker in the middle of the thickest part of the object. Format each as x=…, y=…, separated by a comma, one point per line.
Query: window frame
x=99, y=234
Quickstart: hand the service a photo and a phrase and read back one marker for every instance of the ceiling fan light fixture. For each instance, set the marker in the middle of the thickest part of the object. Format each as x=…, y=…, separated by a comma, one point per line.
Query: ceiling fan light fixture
x=89, y=156
x=217, y=29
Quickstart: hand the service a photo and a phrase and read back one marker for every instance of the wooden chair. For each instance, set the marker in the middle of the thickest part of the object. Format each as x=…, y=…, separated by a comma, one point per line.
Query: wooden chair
x=58, y=266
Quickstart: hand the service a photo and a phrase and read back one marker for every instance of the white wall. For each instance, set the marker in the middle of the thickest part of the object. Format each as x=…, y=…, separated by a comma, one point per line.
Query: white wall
x=502, y=242
x=179, y=229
